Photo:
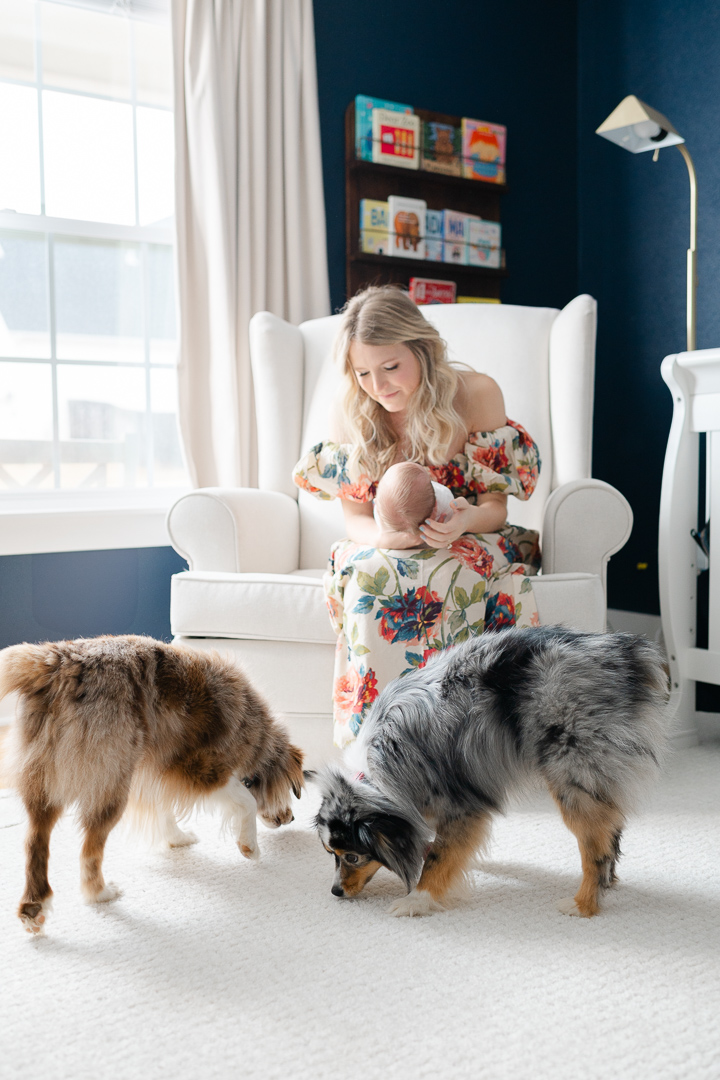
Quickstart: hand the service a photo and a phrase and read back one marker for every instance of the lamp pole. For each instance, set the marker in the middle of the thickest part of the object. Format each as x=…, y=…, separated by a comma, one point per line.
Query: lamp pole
x=692, y=251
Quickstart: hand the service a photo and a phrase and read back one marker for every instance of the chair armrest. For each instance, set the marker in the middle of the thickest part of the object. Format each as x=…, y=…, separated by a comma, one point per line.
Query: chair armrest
x=585, y=522
x=236, y=530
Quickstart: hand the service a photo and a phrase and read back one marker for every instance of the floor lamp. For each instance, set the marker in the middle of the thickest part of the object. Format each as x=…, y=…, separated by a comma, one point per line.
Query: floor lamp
x=637, y=128
x=689, y=376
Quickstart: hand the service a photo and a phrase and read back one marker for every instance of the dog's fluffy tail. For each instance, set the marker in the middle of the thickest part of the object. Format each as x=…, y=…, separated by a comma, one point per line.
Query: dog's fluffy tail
x=26, y=669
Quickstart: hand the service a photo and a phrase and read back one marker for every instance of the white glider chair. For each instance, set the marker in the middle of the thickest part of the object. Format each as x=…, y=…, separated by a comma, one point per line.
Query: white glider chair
x=257, y=556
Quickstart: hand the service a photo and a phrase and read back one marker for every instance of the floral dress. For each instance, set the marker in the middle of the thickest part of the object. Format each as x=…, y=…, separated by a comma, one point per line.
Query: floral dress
x=392, y=609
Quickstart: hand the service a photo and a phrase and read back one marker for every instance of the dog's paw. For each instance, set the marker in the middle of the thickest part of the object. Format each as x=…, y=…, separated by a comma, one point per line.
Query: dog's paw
x=249, y=849
x=33, y=915
x=110, y=892
x=182, y=839
x=569, y=907
x=418, y=902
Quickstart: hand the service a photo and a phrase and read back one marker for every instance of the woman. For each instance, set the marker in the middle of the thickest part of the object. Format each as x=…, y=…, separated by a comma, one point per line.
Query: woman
x=391, y=601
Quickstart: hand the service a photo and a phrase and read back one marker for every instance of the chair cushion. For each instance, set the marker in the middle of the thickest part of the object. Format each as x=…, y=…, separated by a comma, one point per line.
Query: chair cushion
x=291, y=607
x=269, y=607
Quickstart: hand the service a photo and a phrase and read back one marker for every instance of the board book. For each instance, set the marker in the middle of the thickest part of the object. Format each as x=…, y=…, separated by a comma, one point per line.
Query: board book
x=396, y=139
x=364, y=106
x=483, y=150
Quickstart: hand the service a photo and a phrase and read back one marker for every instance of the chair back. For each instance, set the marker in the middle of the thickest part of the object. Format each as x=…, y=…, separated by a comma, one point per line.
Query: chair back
x=542, y=358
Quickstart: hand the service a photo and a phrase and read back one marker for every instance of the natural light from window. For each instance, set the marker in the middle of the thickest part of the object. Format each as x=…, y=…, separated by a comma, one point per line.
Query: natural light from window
x=88, y=335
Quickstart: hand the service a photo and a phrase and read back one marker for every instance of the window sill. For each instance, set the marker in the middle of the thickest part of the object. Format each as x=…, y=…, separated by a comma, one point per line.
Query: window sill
x=84, y=521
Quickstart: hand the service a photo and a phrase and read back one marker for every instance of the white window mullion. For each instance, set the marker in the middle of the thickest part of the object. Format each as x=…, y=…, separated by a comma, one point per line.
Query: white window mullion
x=38, y=84
x=149, y=432
x=53, y=360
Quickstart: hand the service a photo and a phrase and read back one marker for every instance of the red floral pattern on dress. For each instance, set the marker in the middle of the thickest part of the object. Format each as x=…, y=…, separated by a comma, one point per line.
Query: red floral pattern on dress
x=473, y=554
x=362, y=491
x=492, y=457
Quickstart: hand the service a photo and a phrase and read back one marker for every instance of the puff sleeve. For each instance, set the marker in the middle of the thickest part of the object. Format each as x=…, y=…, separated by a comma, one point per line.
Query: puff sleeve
x=326, y=472
x=505, y=461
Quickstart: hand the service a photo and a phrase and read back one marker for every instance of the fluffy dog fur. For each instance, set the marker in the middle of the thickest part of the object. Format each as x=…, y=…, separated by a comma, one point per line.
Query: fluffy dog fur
x=127, y=722
x=445, y=746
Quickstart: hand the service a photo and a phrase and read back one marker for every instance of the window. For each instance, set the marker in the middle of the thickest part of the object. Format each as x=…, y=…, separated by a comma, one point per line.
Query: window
x=87, y=282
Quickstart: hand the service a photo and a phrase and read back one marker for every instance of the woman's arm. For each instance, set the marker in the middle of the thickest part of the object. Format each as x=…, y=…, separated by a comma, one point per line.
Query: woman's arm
x=482, y=407
x=363, y=529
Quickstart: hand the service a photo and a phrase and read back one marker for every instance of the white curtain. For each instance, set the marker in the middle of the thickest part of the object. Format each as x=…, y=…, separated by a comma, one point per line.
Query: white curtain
x=250, y=209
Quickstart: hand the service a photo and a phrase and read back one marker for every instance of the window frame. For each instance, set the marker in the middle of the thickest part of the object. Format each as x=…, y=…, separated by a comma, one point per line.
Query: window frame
x=56, y=519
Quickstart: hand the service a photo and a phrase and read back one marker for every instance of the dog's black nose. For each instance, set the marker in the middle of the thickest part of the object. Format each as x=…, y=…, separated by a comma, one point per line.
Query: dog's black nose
x=337, y=890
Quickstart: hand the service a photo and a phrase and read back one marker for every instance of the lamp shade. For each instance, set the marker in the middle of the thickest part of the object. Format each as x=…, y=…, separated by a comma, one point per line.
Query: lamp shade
x=636, y=127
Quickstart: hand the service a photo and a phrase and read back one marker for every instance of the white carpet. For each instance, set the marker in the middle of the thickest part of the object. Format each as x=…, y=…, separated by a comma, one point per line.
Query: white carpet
x=210, y=966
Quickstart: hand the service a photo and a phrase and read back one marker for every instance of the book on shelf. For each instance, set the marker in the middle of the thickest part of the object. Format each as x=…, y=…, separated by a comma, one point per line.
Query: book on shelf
x=432, y=291
x=396, y=138
x=483, y=150
x=477, y=300
x=434, y=224
x=364, y=106
x=488, y=233
x=455, y=233
x=483, y=255
x=434, y=235
x=374, y=214
x=375, y=241
x=456, y=226
x=407, y=227
x=441, y=148
x=484, y=239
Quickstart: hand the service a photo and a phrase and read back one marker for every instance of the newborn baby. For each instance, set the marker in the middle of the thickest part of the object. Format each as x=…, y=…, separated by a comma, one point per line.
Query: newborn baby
x=406, y=497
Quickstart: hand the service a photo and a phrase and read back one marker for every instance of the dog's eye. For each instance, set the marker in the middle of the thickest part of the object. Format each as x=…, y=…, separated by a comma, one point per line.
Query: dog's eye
x=351, y=858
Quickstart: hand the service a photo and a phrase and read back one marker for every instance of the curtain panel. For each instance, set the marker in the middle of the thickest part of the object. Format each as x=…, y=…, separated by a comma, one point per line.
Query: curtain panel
x=250, y=210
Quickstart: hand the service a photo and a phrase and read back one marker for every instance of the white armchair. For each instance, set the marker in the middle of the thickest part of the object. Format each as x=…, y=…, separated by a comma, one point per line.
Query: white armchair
x=257, y=556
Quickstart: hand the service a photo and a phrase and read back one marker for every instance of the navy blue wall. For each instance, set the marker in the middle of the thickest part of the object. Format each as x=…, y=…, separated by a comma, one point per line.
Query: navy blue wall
x=85, y=593
x=511, y=63
x=633, y=234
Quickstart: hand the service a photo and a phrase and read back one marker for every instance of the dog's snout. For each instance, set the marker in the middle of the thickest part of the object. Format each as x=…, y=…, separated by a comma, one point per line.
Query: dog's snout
x=337, y=890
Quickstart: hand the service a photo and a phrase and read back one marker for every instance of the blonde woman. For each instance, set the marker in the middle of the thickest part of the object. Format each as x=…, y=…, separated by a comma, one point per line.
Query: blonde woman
x=396, y=597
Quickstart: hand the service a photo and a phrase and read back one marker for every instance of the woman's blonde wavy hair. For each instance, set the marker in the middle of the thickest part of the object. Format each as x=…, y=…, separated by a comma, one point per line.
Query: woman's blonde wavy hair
x=385, y=315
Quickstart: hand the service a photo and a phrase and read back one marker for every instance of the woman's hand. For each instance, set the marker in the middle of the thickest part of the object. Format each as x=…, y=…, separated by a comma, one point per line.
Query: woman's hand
x=488, y=516
x=440, y=534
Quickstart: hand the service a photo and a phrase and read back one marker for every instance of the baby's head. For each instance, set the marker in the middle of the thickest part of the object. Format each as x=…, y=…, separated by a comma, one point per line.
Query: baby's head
x=405, y=497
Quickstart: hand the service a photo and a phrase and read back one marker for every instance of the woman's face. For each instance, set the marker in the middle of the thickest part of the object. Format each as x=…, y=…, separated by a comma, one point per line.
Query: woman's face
x=389, y=374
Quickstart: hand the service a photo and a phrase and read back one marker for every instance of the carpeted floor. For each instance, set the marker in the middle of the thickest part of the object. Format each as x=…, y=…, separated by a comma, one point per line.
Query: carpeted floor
x=210, y=966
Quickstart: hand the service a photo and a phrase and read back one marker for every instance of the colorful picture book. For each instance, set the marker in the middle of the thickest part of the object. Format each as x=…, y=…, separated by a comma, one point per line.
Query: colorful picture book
x=432, y=291
x=484, y=243
x=441, y=148
x=483, y=150
x=396, y=138
x=455, y=233
x=484, y=232
x=364, y=106
x=374, y=214
x=481, y=255
x=375, y=241
x=407, y=227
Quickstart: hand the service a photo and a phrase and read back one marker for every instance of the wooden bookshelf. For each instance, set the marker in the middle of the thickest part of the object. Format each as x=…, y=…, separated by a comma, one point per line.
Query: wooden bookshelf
x=370, y=180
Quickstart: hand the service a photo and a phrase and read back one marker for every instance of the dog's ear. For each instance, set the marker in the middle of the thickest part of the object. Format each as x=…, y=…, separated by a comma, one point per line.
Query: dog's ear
x=396, y=843
x=296, y=770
